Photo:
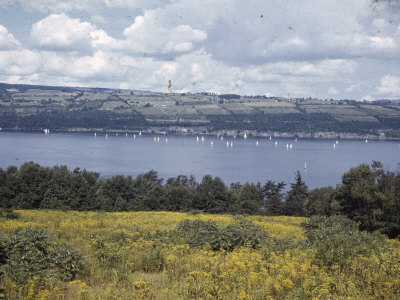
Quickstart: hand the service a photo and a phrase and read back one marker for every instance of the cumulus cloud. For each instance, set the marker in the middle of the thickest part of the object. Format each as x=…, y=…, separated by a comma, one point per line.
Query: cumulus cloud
x=19, y=62
x=311, y=48
x=7, y=40
x=61, y=32
x=145, y=35
x=389, y=86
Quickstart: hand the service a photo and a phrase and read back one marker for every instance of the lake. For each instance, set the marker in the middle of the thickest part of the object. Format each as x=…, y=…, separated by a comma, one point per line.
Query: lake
x=244, y=160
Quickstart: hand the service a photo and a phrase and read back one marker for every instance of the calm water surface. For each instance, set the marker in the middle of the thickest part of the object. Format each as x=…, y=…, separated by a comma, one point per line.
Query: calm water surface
x=244, y=161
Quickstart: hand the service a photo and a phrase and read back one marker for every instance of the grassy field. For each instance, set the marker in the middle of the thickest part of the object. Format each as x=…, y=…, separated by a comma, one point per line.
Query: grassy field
x=137, y=255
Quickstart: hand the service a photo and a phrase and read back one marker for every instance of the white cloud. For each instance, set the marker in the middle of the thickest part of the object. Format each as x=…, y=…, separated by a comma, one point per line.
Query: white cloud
x=333, y=91
x=389, y=87
x=61, y=32
x=356, y=87
x=19, y=62
x=145, y=35
x=7, y=40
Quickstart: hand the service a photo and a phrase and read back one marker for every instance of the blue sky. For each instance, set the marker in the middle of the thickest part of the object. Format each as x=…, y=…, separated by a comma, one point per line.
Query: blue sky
x=346, y=49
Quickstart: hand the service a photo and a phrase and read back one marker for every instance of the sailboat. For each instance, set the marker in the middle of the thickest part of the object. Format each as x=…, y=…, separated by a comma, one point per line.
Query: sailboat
x=126, y=135
x=227, y=144
x=140, y=133
x=245, y=136
x=257, y=143
x=231, y=144
x=290, y=146
x=211, y=143
x=202, y=138
x=95, y=134
x=106, y=135
x=197, y=138
x=305, y=165
x=222, y=138
x=166, y=140
x=366, y=141
x=276, y=143
x=134, y=136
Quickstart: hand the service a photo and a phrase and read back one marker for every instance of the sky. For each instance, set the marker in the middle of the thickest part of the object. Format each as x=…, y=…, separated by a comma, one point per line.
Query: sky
x=347, y=49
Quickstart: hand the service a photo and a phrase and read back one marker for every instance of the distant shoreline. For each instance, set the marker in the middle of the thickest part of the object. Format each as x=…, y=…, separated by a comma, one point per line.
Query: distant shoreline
x=188, y=131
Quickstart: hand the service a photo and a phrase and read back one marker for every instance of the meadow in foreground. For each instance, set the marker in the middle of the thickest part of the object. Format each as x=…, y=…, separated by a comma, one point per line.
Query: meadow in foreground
x=168, y=255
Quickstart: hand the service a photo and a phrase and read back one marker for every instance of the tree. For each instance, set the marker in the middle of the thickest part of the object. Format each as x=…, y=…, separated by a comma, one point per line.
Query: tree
x=370, y=195
x=212, y=195
x=273, y=197
x=296, y=197
x=321, y=201
x=249, y=199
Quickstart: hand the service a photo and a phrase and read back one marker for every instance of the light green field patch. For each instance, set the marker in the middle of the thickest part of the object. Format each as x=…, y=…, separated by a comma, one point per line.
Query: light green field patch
x=280, y=110
x=270, y=103
x=212, y=109
x=111, y=105
x=380, y=110
x=360, y=118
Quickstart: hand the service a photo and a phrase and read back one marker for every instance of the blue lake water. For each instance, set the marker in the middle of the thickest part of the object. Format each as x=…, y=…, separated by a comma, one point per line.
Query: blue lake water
x=244, y=161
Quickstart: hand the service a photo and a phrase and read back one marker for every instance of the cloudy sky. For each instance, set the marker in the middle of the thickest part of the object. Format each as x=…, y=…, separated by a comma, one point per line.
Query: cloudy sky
x=347, y=49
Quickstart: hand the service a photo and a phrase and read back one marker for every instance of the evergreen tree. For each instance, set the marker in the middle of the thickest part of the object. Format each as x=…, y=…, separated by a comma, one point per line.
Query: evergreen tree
x=296, y=196
x=273, y=196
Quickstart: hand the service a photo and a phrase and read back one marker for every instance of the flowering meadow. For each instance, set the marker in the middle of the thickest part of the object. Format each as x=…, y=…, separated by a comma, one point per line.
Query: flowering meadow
x=170, y=255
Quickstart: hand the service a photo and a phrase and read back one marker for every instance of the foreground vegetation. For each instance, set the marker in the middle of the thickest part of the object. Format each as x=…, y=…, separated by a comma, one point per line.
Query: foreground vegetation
x=63, y=108
x=47, y=254
x=368, y=194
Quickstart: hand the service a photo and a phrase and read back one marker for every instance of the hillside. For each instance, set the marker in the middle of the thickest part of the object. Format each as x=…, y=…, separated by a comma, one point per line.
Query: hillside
x=27, y=107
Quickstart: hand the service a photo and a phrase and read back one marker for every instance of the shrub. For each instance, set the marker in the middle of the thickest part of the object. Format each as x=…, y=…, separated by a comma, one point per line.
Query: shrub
x=8, y=213
x=33, y=252
x=199, y=233
x=337, y=239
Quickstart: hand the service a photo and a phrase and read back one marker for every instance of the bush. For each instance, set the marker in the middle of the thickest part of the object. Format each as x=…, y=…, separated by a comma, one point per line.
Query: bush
x=152, y=260
x=33, y=252
x=199, y=233
x=8, y=213
x=338, y=239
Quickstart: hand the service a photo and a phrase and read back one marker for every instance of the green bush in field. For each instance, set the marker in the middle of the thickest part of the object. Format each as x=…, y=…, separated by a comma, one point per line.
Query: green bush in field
x=152, y=260
x=33, y=252
x=338, y=239
x=199, y=233
x=8, y=213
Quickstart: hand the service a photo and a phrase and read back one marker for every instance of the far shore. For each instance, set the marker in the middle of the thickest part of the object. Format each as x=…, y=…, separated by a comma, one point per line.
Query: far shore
x=177, y=130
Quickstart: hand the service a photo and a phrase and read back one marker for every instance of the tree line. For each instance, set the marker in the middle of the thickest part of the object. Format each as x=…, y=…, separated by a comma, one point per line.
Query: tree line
x=368, y=194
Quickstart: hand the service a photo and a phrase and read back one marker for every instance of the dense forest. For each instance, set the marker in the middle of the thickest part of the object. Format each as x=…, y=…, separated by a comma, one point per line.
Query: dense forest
x=368, y=194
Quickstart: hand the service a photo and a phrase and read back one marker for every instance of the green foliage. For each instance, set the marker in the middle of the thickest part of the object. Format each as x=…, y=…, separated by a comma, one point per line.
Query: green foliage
x=7, y=213
x=321, y=201
x=199, y=233
x=371, y=196
x=296, y=196
x=248, y=199
x=212, y=195
x=273, y=196
x=338, y=239
x=153, y=260
x=32, y=252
